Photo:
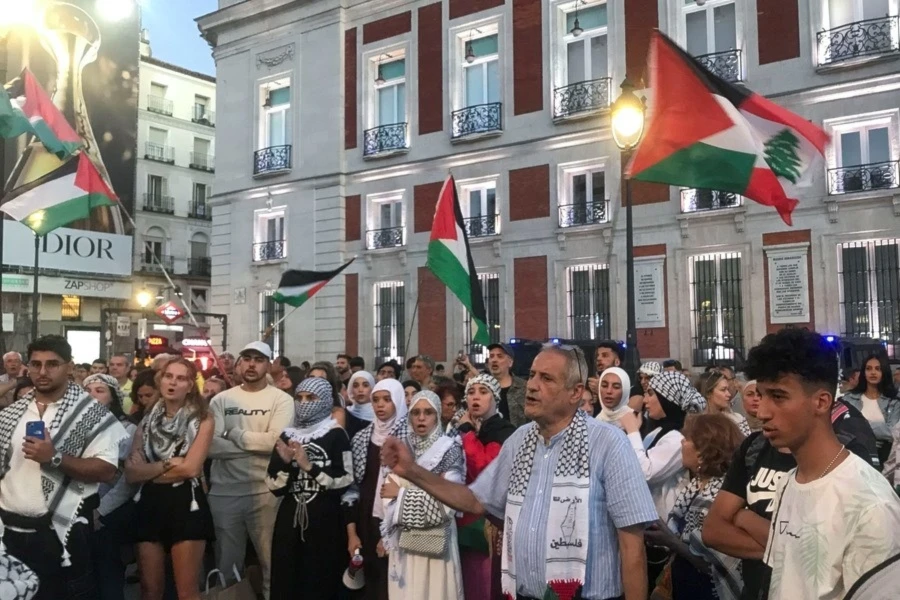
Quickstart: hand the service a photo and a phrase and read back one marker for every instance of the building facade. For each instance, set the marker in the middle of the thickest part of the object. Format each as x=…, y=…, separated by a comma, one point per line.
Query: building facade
x=349, y=116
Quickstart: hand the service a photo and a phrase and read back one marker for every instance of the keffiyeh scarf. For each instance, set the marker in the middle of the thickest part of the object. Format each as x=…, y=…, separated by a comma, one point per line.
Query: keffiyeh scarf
x=311, y=417
x=378, y=431
x=167, y=438
x=568, y=522
x=108, y=380
x=79, y=419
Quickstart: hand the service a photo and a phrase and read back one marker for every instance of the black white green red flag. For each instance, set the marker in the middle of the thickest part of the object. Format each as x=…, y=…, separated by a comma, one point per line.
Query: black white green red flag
x=450, y=259
x=707, y=133
x=296, y=286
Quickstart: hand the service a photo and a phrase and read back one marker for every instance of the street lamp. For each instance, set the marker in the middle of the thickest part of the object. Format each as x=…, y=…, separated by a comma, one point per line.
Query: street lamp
x=144, y=298
x=627, y=121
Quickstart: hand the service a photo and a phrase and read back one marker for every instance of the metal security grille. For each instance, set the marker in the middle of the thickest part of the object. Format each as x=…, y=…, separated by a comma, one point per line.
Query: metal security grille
x=490, y=291
x=588, y=301
x=870, y=291
x=717, y=308
x=271, y=312
x=390, y=321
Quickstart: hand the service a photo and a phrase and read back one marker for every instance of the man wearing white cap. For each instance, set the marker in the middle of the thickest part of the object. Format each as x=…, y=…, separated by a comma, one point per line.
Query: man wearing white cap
x=249, y=419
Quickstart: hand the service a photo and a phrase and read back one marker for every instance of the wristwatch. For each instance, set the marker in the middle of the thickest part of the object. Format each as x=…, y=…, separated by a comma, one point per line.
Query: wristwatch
x=56, y=461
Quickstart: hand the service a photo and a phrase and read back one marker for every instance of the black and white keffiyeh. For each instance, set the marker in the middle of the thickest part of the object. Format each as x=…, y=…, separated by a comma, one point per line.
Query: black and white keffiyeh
x=378, y=431
x=166, y=438
x=486, y=380
x=309, y=412
x=677, y=389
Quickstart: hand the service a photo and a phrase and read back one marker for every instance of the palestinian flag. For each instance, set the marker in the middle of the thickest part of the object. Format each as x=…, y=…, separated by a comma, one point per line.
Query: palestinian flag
x=296, y=287
x=450, y=259
x=26, y=108
x=60, y=197
x=710, y=134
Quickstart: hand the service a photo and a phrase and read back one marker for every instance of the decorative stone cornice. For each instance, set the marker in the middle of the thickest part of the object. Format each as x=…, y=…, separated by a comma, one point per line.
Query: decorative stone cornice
x=276, y=56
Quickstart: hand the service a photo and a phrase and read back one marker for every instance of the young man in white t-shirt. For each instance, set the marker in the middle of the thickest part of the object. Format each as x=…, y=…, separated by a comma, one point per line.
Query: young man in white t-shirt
x=834, y=517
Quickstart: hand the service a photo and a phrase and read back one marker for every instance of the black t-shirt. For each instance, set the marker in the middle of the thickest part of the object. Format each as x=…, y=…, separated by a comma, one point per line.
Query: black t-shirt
x=503, y=407
x=636, y=390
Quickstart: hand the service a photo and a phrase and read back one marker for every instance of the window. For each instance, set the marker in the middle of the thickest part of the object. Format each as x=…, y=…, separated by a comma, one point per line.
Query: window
x=271, y=323
x=856, y=29
x=199, y=260
x=156, y=199
x=269, y=235
x=716, y=306
x=199, y=302
x=276, y=114
x=585, y=197
x=480, y=211
x=390, y=91
x=156, y=101
x=201, y=157
x=158, y=90
x=490, y=291
x=199, y=204
x=156, y=187
x=387, y=132
x=870, y=291
x=71, y=308
x=587, y=55
x=588, y=302
x=390, y=321
x=153, y=256
x=202, y=113
x=386, y=227
x=157, y=145
x=844, y=12
x=481, y=74
x=711, y=27
x=864, y=154
x=476, y=82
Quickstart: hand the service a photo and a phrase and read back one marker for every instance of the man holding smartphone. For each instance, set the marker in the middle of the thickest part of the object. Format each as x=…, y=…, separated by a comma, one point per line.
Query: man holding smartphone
x=49, y=482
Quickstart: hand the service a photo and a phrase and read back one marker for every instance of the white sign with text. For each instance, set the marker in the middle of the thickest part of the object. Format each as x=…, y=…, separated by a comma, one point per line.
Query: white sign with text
x=788, y=284
x=649, y=292
x=68, y=286
x=68, y=250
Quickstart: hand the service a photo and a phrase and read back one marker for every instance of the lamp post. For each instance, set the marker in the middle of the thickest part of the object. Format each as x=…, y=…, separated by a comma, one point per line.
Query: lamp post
x=144, y=298
x=627, y=121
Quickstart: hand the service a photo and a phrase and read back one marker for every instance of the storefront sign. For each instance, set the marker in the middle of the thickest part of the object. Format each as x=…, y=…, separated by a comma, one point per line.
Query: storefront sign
x=67, y=286
x=649, y=292
x=68, y=250
x=788, y=284
x=169, y=312
x=194, y=343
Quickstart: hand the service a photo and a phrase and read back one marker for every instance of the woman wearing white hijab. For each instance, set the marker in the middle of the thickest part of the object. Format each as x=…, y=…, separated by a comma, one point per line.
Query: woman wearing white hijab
x=362, y=502
x=359, y=390
x=418, y=531
x=614, y=387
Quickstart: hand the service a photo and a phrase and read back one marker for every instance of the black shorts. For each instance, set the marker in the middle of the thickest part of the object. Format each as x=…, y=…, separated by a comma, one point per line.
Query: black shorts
x=164, y=515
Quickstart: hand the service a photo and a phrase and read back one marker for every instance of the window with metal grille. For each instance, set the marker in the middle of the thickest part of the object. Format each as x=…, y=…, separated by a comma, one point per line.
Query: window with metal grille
x=490, y=291
x=71, y=308
x=717, y=308
x=587, y=287
x=270, y=313
x=869, y=273
x=390, y=321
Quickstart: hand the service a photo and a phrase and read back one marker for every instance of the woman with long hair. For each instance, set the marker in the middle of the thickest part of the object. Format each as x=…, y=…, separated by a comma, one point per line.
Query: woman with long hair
x=613, y=388
x=716, y=389
x=418, y=531
x=167, y=457
x=144, y=395
x=875, y=396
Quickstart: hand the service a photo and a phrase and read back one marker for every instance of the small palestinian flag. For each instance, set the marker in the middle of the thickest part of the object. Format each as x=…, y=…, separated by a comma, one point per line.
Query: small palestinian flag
x=60, y=197
x=26, y=108
x=450, y=259
x=296, y=287
x=710, y=134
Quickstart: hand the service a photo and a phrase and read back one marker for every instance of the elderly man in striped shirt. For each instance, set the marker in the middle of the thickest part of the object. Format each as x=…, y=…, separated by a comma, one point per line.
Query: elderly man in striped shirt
x=569, y=493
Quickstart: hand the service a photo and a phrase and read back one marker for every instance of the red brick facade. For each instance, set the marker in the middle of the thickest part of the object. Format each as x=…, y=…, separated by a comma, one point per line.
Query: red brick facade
x=528, y=81
x=425, y=199
x=352, y=218
x=779, y=238
x=387, y=27
x=461, y=8
x=431, y=58
x=653, y=342
x=530, y=297
x=350, y=89
x=432, y=316
x=643, y=192
x=641, y=19
x=529, y=193
x=351, y=314
x=778, y=24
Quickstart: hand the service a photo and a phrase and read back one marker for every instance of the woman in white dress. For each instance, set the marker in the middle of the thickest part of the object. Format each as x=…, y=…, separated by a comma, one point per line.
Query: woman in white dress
x=419, y=532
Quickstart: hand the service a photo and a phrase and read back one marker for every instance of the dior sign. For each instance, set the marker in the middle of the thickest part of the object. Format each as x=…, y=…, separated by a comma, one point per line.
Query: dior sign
x=69, y=250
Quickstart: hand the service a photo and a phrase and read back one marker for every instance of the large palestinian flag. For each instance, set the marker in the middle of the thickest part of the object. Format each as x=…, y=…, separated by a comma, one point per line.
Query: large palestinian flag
x=26, y=108
x=707, y=133
x=63, y=195
x=296, y=287
x=450, y=259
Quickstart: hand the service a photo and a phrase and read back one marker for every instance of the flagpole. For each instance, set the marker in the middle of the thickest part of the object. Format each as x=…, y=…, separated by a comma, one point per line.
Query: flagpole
x=411, y=325
x=268, y=330
x=34, y=293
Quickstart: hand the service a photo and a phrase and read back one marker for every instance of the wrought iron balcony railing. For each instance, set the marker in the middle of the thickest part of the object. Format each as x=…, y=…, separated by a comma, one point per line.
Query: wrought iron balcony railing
x=696, y=200
x=871, y=37
x=726, y=65
x=274, y=159
x=582, y=97
x=203, y=115
x=481, y=118
x=160, y=105
x=385, y=139
x=274, y=250
x=158, y=203
x=202, y=162
x=391, y=237
x=200, y=210
x=159, y=153
x=200, y=267
x=861, y=178
x=482, y=226
x=583, y=213
x=155, y=263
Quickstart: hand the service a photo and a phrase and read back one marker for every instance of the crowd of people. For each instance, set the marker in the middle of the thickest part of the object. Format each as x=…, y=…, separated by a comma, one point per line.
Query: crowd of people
x=413, y=483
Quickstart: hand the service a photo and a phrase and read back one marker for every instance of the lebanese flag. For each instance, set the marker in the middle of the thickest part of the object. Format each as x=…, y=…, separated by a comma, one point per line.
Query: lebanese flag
x=707, y=133
x=296, y=286
x=450, y=259
x=26, y=108
x=60, y=197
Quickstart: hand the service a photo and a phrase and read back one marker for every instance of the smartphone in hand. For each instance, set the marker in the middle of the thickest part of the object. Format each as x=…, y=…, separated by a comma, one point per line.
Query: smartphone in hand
x=34, y=429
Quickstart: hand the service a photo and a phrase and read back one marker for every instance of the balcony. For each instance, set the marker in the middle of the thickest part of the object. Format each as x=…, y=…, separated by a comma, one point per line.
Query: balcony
x=384, y=140
x=202, y=162
x=157, y=203
x=863, y=178
x=694, y=200
x=155, y=263
x=274, y=250
x=200, y=210
x=159, y=153
x=583, y=213
x=202, y=115
x=477, y=120
x=482, y=226
x=200, y=267
x=391, y=237
x=272, y=160
x=159, y=105
x=582, y=98
x=725, y=65
x=863, y=39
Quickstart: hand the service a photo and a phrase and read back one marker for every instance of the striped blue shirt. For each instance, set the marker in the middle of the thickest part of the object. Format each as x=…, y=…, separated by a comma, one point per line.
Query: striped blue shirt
x=619, y=498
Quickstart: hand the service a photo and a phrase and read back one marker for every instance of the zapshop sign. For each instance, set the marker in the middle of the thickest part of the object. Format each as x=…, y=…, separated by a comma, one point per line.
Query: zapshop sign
x=68, y=250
